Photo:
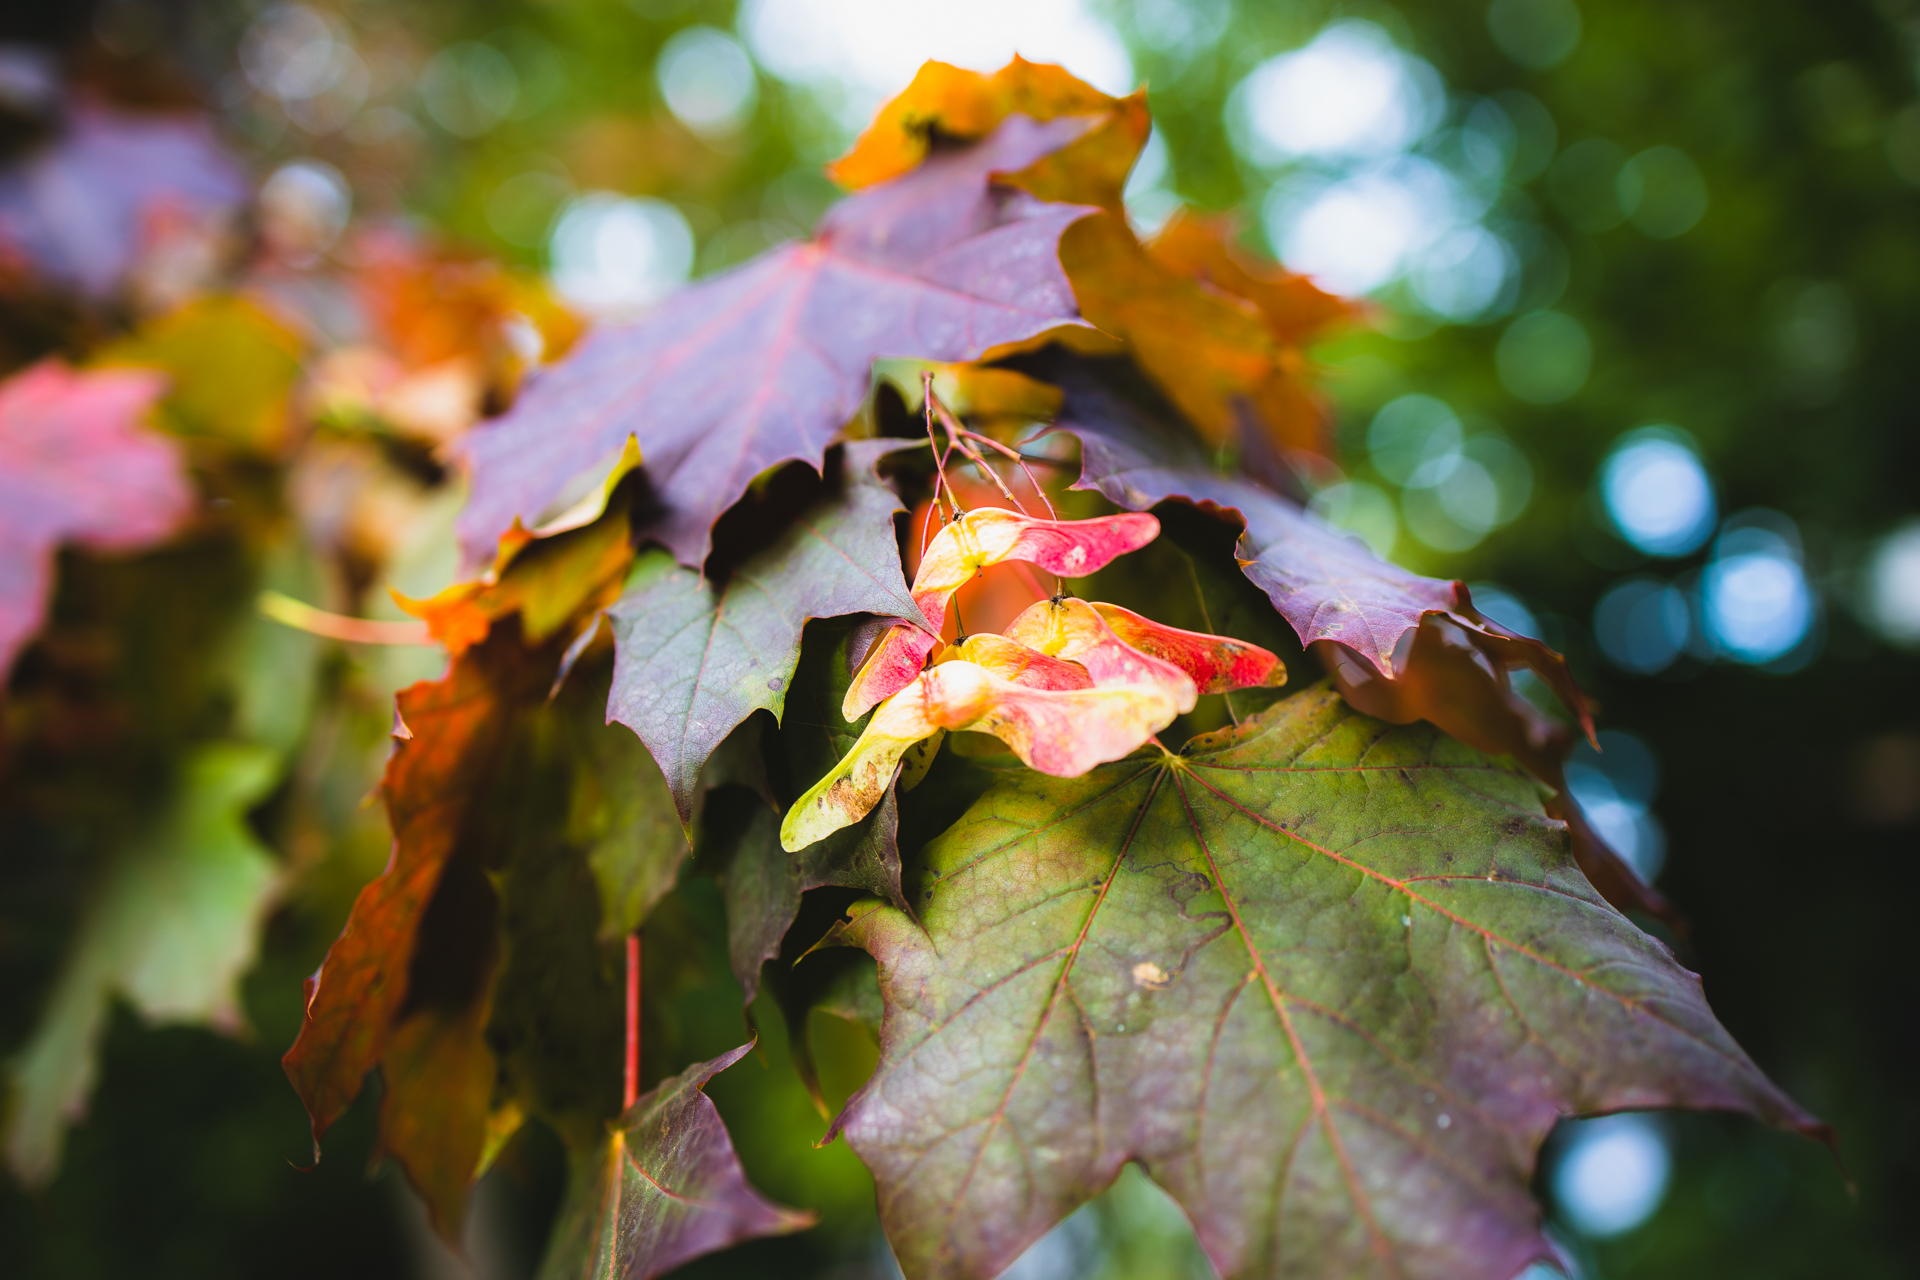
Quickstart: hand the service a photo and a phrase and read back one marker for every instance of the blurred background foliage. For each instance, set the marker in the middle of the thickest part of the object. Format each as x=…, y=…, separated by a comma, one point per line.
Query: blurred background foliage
x=1642, y=275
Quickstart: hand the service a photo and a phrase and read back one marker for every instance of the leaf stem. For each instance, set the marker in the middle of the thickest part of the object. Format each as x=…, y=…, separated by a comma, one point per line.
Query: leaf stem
x=961, y=438
x=301, y=616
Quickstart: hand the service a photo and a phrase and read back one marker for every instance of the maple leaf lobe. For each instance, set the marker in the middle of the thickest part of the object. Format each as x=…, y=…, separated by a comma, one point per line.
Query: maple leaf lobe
x=765, y=364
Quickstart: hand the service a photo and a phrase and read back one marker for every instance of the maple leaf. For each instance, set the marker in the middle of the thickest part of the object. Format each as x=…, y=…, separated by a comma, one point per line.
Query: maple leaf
x=623, y=814
x=1445, y=677
x=171, y=930
x=952, y=102
x=1402, y=647
x=453, y=735
x=1328, y=585
x=1206, y=343
x=76, y=467
x=764, y=881
x=512, y=1003
x=547, y=581
x=85, y=208
x=439, y=1075
x=765, y=364
x=1201, y=247
x=1329, y=981
x=663, y=1187
x=695, y=656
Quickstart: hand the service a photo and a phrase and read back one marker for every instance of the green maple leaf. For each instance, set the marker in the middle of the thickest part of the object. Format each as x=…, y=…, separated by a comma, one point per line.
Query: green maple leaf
x=172, y=929
x=1329, y=981
x=663, y=1187
x=696, y=656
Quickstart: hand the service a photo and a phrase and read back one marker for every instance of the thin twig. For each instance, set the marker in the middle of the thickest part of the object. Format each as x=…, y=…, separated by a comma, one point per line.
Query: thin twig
x=1005, y=451
x=940, y=457
x=630, y=1086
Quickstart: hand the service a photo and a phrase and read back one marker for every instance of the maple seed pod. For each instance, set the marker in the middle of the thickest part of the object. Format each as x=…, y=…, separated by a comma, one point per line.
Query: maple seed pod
x=1073, y=630
x=1216, y=663
x=982, y=537
x=1011, y=660
x=896, y=659
x=1058, y=731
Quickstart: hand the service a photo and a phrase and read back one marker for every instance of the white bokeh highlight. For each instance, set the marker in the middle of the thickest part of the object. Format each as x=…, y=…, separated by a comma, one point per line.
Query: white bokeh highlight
x=1755, y=596
x=1351, y=93
x=1657, y=492
x=1893, y=586
x=1613, y=1174
x=1368, y=190
x=858, y=53
x=707, y=80
x=612, y=255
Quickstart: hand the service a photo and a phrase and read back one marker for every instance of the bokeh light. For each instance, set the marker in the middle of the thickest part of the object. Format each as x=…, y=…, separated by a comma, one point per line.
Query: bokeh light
x=1355, y=235
x=468, y=88
x=707, y=80
x=1612, y=1174
x=1657, y=492
x=304, y=206
x=1661, y=192
x=1615, y=787
x=1350, y=93
x=1464, y=274
x=1502, y=606
x=1537, y=34
x=1361, y=509
x=292, y=52
x=1458, y=487
x=1149, y=198
x=856, y=53
x=1380, y=177
x=1180, y=29
x=1755, y=596
x=613, y=255
x=1893, y=585
x=1544, y=357
x=1411, y=433
x=1642, y=625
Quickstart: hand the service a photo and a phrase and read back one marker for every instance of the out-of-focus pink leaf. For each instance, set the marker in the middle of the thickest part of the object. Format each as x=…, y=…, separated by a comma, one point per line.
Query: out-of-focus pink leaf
x=75, y=466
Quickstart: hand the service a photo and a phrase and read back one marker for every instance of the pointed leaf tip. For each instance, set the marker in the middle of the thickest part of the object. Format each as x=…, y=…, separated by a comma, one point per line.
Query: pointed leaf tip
x=663, y=1188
